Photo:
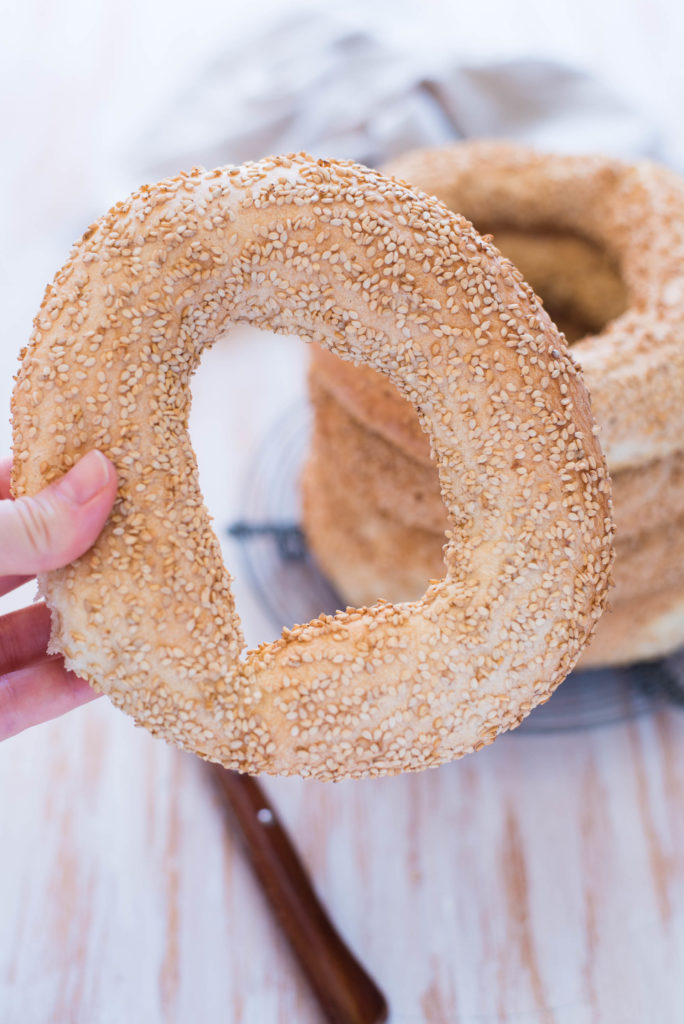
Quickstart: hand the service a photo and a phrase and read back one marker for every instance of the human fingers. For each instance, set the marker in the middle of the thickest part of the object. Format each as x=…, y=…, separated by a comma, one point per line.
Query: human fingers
x=5, y=468
x=24, y=636
x=38, y=693
x=61, y=522
x=8, y=583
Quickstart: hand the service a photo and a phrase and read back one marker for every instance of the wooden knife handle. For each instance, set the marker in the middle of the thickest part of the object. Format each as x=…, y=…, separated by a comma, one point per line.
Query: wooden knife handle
x=345, y=992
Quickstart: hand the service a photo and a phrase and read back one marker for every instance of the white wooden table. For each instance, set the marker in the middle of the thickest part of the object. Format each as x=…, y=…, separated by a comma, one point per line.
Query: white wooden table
x=539, y=881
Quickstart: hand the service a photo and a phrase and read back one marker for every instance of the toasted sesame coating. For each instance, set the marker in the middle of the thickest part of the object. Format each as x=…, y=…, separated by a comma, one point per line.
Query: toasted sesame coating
x=367, y=551
x=633, y=215
x=391, y=480
x=379, y=274
x=603, y=242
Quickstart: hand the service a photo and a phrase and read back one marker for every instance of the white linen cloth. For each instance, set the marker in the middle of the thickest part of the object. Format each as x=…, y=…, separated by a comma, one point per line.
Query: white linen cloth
x=317, y=82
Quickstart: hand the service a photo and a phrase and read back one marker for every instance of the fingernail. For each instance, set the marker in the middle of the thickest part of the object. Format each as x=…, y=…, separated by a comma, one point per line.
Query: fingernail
x=85, y=479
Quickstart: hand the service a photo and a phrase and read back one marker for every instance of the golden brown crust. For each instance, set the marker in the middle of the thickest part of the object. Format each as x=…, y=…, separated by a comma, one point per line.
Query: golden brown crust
x=368, y=553
x=639, y=630
x=579, y=283
x=371, y=399
x=632, y=217
x=649, y=497
x=378, y=273
x=650, y=561
x=365, y=461
x=407, y=488
x=371, y=555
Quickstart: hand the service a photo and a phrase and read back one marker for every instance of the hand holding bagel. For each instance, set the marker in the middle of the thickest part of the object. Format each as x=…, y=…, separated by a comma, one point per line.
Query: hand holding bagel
x=379, y=274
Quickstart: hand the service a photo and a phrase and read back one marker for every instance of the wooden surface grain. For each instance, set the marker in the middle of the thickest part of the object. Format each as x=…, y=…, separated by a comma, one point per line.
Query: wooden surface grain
x=540, y=881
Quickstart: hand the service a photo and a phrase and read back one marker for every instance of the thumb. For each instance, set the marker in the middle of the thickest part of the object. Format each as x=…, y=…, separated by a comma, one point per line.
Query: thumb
x=61, y=522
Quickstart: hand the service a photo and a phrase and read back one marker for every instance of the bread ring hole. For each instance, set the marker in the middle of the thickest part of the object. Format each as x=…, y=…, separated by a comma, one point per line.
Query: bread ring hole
x=340, y=527
x=578, y=281
x=227, y=436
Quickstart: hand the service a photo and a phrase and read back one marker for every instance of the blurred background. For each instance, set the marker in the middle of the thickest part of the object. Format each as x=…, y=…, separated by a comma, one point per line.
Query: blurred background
x=540, y=881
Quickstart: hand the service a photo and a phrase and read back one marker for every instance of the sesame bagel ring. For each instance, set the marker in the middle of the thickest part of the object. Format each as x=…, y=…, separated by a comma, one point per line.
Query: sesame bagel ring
x=377, y=273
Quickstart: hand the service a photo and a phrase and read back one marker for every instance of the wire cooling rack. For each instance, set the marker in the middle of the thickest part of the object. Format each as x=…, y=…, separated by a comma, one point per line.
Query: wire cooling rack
x=292, y=589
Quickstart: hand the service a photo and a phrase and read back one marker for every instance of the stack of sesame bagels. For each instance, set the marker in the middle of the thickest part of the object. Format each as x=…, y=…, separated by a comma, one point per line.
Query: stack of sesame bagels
x=602, y=243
